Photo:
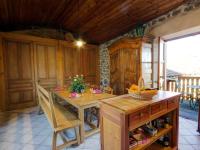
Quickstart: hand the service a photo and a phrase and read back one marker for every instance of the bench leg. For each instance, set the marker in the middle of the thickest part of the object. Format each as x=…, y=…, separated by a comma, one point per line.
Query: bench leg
x=77, y=129
x=54, y=141
x=40, y=111
x=98, y=118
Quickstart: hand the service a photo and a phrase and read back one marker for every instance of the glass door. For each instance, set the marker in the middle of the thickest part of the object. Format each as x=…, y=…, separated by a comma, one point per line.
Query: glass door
x=147, y=64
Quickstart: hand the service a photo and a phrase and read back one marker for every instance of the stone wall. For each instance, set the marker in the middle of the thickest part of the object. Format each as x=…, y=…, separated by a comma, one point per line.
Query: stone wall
x=104, y=54
x=179, y=11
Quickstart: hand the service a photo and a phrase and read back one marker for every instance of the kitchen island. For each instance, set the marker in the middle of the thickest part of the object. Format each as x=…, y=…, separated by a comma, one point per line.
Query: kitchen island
x=129, y=123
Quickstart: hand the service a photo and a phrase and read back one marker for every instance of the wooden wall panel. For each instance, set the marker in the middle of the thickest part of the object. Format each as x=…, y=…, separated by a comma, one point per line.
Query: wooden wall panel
x=81, y=62
x=2, y=79
x=29, y=59
x=72, y=62
x=90, y=64
x=20, y=74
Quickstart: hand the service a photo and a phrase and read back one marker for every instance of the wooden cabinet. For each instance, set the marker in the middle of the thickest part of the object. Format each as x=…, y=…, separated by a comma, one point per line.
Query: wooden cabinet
x=45, y=64
x=19, y=74
x=130, y=58
x=121, y=115
x=25, y=60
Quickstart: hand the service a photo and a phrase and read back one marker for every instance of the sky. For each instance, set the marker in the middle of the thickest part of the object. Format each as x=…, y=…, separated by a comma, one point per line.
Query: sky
x=183, y=55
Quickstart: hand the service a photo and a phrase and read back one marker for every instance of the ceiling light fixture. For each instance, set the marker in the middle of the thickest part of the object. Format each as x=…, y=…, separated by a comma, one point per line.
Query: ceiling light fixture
x=79, y=42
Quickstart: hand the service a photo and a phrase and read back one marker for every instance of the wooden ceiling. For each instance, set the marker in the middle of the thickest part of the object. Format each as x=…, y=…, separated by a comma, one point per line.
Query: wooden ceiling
x=96, y=21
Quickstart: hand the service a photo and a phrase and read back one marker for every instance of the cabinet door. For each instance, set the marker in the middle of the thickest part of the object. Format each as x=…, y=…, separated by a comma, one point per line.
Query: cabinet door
x=115, y=75
x=131, y=67
x=45, y=62
x=89, y=60
x=72, y=62
x=20, y=74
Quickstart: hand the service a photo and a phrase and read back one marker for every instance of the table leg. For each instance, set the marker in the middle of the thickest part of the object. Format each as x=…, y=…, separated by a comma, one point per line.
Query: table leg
x=82, y=130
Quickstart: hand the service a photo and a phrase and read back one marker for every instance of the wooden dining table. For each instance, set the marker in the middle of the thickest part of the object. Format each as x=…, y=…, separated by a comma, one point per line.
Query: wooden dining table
x=86, y=100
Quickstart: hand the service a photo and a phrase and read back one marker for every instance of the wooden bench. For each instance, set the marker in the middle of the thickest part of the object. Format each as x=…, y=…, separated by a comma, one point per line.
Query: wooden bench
x=59, y=118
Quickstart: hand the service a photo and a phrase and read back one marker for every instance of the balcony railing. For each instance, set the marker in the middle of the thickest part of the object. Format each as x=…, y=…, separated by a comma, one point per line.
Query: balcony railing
x=184, y=85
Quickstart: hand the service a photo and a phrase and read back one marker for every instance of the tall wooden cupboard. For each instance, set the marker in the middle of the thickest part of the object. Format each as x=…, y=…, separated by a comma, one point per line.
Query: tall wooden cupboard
x=130, y=58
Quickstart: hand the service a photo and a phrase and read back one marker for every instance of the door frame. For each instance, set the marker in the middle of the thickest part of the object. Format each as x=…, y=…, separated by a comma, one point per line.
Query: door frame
x=161, y=40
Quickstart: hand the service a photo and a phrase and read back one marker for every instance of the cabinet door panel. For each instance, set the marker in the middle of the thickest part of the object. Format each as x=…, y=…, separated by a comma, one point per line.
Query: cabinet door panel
x=131, y=63
x=46, y=64
x=115, y=80
x=19, y=70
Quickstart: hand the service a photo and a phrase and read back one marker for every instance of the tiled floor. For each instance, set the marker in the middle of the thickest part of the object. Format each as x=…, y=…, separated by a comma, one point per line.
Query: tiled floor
x=25, y=130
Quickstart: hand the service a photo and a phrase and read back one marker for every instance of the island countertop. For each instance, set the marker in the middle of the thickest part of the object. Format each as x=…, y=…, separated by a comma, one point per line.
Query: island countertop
x=128, y=103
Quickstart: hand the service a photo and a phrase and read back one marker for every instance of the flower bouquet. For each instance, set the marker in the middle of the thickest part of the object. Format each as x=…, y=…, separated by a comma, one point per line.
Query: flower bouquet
x=77, y=86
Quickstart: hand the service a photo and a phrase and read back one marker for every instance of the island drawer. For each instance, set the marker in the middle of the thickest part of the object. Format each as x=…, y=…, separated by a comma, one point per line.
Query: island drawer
x=139, y=117
x=158, y=107
x=173, y=102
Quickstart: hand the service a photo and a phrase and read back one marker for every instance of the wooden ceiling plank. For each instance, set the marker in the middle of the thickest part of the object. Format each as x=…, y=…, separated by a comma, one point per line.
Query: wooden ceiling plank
x=98, y=20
